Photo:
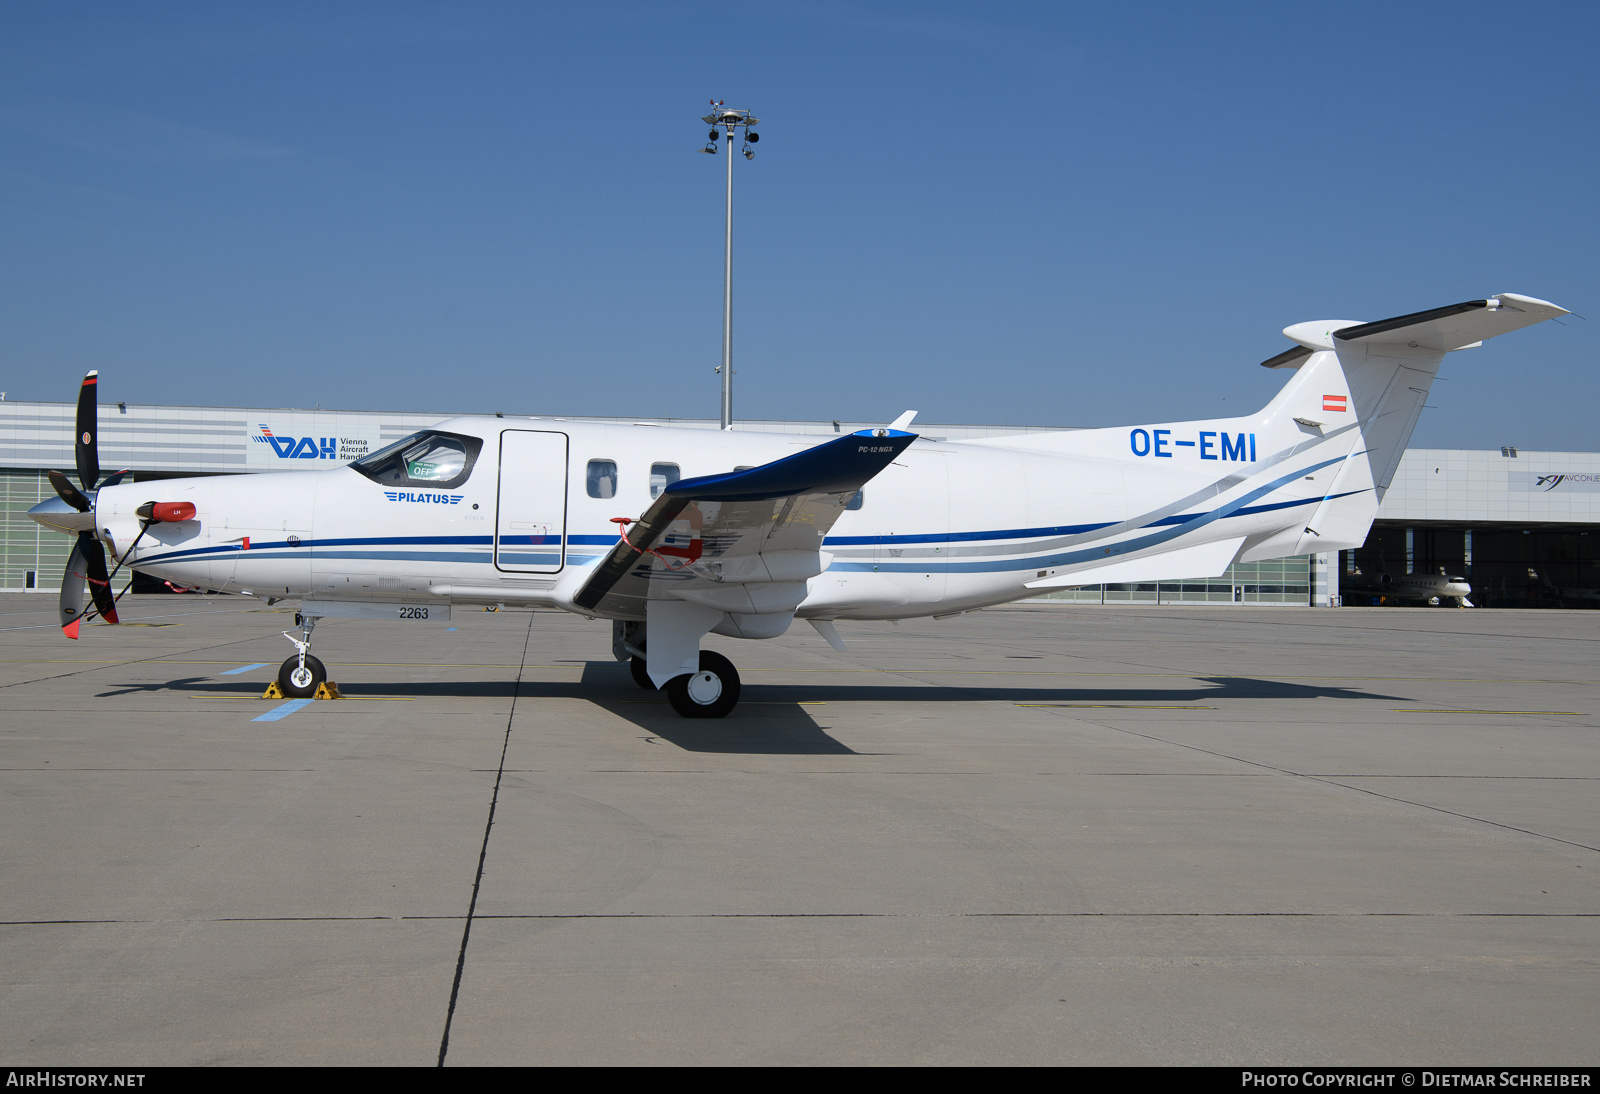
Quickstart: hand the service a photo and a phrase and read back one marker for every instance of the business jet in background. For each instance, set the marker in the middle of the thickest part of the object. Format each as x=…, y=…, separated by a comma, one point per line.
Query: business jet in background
x=1436, y=590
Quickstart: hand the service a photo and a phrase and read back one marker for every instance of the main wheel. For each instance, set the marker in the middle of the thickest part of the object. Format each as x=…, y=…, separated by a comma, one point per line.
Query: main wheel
x=301, y=683
x=709, y=693
x=641, y=673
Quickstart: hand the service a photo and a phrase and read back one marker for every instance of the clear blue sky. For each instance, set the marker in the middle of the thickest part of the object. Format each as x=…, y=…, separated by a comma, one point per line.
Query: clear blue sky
x=1031, y=213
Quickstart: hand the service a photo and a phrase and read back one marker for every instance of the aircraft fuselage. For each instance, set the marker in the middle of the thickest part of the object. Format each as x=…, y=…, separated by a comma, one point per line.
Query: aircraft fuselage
x=947, y=527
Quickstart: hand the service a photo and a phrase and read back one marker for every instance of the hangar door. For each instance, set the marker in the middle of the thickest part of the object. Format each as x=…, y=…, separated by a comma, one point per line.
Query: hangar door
x=531, y=511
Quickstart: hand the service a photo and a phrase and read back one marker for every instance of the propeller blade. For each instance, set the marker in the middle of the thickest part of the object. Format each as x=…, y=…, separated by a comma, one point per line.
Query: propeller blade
x=72, y=583
x=99, y=581
x=86, y=567
x=87, y=442
x=68, y=492
x=114, y=478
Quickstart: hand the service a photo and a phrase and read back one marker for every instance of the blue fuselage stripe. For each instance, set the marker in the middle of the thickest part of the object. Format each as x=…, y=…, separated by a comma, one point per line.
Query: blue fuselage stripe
x=1186, y=524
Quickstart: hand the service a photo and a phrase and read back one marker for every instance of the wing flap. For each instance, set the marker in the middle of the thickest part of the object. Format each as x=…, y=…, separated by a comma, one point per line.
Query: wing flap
x=703, y=534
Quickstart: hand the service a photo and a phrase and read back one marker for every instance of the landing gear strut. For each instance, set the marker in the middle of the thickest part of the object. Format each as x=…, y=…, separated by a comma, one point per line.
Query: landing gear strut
x=628, y=644
x=301, y=675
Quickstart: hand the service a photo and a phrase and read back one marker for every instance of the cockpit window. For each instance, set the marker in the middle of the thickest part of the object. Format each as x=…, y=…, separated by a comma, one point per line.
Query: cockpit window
x=429, y=459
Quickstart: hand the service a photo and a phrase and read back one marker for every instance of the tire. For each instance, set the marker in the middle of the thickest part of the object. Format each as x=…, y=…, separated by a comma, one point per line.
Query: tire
x=710, y=693
x=641, y=673
x=307, y=686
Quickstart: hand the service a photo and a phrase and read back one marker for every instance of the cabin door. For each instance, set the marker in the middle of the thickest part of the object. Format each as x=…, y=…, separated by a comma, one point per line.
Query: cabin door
x=531, y=509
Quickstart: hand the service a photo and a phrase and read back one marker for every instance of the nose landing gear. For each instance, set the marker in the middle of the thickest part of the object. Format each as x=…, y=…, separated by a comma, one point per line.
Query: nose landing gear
x=301, y=675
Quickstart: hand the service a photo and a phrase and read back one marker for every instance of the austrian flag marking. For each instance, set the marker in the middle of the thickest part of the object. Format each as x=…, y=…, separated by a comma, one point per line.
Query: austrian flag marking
x=1335, y=402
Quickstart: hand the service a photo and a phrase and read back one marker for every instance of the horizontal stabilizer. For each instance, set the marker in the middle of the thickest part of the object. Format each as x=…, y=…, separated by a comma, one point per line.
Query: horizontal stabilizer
x=1289, y=358
x=1457, y=326
x=1453, y=327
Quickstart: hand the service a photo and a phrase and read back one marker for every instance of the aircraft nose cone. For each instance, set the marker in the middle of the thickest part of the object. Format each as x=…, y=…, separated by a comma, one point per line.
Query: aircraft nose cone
x=56, y=514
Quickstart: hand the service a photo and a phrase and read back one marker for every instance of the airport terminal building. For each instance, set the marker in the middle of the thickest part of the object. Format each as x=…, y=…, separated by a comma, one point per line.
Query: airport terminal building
x=1515, y=524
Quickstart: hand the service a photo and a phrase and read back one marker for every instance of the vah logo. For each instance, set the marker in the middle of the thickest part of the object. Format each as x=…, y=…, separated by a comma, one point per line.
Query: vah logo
x=416, y=495
x=343, y=449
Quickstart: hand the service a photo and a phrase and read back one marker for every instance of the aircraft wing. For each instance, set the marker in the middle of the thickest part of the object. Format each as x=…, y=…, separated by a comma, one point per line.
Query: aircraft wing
x=742, y=539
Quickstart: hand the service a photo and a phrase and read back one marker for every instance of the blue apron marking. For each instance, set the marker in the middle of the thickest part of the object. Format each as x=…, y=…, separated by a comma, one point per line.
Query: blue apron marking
x=284, y=711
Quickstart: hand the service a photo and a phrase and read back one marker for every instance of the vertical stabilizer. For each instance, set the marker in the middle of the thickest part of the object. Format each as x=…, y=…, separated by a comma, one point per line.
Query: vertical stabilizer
x=1357, y=395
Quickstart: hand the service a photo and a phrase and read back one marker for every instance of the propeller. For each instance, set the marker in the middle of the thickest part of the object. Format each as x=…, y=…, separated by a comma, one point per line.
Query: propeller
x=87, y=566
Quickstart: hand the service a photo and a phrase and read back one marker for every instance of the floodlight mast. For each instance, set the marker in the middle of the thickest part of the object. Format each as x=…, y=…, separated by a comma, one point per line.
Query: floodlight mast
x=731, y=121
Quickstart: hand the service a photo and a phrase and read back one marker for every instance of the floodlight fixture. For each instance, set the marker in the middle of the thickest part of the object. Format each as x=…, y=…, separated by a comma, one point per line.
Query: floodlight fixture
x=731, y=121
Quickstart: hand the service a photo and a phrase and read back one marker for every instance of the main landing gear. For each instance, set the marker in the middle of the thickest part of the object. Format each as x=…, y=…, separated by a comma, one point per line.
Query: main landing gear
x=301, y=675
x=640, y=668
x=710, y=693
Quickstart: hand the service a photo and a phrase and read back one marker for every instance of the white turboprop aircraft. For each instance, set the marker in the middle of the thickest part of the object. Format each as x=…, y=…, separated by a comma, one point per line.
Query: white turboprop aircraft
x=673, y=533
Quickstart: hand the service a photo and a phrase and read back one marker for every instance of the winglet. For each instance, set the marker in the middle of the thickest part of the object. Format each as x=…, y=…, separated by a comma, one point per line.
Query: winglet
x=904, y=421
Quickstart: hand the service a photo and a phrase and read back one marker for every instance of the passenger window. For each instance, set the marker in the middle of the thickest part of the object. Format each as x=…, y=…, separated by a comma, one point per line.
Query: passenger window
x=662, y=475
x=855, y=503
x=602, y=479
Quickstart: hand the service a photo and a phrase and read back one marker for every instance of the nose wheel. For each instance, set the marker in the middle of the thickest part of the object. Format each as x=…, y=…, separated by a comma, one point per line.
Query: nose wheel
x=301, y=675
x=299, y=679
x=710, y=693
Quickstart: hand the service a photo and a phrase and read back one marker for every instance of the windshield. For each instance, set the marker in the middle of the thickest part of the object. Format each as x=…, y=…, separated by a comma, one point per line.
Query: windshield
x=429, y=458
